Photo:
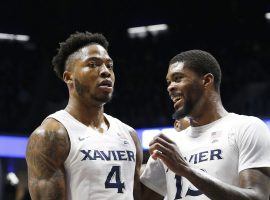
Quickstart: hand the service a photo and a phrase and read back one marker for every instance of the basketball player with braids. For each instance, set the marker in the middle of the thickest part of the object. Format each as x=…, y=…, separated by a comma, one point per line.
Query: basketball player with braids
x=81, y=153
x=221, y=156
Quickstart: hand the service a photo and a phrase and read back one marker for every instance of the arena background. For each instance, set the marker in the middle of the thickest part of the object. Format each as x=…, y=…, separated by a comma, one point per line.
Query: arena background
x=236, y=32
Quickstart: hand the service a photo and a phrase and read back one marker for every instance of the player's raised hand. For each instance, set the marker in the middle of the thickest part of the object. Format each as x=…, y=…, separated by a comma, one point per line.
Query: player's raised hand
x=165, y=149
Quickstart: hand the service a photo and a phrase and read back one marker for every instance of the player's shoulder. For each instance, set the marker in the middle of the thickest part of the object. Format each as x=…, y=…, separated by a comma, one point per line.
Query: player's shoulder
x=50, y=131
x=50, y=126
x=119, y=123
x=126, y=128
x=244, y=121
x=50, y=140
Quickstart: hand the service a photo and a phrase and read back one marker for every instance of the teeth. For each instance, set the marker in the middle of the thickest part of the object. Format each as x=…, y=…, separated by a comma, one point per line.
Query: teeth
x=106, y=84
x=176, y=99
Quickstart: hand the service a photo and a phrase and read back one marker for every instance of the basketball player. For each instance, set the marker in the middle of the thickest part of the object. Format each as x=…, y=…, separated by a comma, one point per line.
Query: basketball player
x=81, y=153
x=223, y=156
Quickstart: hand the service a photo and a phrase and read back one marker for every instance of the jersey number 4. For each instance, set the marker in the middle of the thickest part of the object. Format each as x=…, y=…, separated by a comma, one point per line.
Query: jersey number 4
x=113, y=179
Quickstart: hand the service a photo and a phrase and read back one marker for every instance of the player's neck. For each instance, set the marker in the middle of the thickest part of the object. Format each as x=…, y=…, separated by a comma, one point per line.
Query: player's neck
x=89, y=115
x=211, y=111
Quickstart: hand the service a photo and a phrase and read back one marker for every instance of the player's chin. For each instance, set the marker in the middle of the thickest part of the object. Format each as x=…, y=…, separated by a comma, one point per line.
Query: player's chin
x=104, y=98
x=179, y=114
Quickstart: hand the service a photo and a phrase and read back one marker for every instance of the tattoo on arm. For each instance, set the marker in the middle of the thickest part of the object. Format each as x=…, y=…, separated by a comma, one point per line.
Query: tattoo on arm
x=46, y=152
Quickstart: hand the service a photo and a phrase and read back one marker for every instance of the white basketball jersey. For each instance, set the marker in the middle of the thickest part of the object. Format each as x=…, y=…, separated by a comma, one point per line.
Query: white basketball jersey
x=99, y=166
x=221, y=149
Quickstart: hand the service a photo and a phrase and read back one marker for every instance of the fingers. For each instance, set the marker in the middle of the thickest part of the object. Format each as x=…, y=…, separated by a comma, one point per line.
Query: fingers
x=165, y=158
x=156, y=154
x=163, y=140
x=160, y=140
x=161, y=146
x=166, y=138
x=167, y=151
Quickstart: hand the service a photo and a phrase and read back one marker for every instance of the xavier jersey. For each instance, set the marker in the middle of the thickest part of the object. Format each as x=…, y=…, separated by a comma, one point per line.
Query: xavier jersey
x=99, y=166
x=220, y=149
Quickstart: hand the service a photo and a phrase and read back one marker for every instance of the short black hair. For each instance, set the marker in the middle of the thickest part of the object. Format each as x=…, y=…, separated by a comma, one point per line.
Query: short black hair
x=201, y=62
x=72, y=44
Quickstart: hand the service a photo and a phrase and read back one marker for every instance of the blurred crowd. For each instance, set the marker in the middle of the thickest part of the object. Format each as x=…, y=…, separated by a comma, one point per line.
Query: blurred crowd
x=30, y=90
x=235, y=32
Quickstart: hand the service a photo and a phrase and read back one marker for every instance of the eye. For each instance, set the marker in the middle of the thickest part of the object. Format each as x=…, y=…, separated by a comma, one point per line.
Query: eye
x=92, y=64
x=168, y=82
x=178, y=78
x=95, y=63
x=109, y=65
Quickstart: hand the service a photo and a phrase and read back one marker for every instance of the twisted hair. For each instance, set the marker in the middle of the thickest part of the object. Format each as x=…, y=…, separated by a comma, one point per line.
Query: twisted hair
x=72, y=44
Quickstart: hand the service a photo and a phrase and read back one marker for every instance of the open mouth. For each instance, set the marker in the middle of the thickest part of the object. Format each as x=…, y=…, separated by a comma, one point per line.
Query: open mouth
x=176, y=96
x=106, y=86
x=105, y=83
x=177, y=100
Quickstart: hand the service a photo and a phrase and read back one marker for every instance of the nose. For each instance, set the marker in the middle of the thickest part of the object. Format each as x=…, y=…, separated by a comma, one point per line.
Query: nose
x=104, y=71
x=171, y=87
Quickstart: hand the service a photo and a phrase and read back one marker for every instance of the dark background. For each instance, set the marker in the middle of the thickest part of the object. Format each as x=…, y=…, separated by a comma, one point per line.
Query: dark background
x=236, y=32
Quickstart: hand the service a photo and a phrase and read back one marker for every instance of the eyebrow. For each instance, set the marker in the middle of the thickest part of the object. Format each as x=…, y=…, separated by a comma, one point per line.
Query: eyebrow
x=99, y=58
x=178, y=73
x=174, y=74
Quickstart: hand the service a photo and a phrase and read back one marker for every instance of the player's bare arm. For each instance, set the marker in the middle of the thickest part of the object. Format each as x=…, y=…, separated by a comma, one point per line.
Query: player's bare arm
x=47, y=149
x=150, y=194
x=254, y=183
x=139, y=158
x=147, y=193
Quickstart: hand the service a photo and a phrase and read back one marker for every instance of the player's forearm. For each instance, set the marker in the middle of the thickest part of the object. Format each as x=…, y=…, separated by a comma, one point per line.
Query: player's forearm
x=47, y=189
x=215, y=189
x=149, y=194
x=49, y=195
x=137, y=193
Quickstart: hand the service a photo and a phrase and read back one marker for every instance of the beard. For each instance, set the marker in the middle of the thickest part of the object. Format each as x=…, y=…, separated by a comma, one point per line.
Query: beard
x=186, y=110
x=191, y=102
x=102, y=98
x=80, y=88
x=83, y=91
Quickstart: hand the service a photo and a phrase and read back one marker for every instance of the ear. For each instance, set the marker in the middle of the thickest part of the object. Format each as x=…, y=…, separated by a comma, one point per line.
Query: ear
x=67, y=77
x=208, y=80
